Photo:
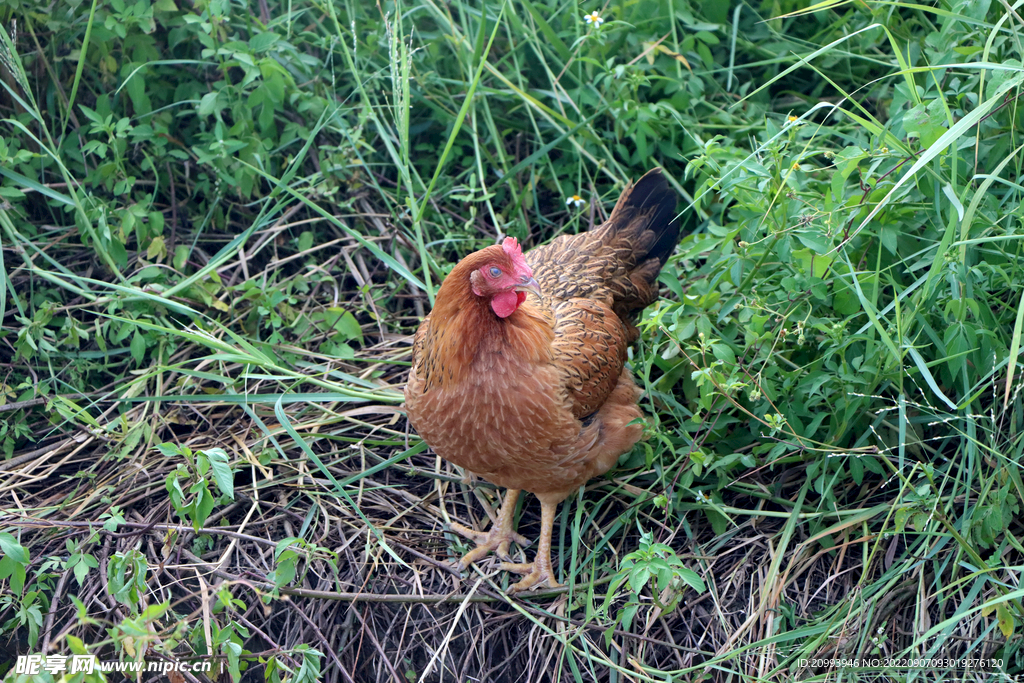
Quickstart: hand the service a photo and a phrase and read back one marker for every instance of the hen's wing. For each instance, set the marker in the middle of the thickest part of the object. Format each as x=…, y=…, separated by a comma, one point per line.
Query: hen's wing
x=596, y=281
x=590, y=350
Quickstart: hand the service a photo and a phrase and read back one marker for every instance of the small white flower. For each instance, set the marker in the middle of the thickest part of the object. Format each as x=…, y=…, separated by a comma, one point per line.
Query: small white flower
x=576, y=200
x=593, y=18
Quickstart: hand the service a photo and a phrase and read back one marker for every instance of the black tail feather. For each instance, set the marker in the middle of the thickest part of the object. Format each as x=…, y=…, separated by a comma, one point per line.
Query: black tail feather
x=653, y=198
x=618, y=260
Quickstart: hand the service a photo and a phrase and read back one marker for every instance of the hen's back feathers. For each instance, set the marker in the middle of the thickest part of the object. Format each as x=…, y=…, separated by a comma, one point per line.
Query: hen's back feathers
x=617, y=262
x=595, y=282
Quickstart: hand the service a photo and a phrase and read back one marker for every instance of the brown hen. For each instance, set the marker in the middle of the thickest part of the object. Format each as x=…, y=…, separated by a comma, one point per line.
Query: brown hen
x=531, y=391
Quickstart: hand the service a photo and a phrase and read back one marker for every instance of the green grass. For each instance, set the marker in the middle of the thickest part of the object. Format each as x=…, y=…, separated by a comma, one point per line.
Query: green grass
x=220, y=223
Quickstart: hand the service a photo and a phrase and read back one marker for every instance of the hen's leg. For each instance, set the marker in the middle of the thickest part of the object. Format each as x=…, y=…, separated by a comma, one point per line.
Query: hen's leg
x=538, y=573
x=498, y=538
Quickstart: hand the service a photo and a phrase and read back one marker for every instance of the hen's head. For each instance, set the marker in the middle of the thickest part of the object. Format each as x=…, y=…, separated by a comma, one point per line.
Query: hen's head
x=502, y=277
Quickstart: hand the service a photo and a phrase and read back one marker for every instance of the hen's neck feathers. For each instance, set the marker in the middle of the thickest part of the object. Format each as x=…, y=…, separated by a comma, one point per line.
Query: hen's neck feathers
x=465, y=331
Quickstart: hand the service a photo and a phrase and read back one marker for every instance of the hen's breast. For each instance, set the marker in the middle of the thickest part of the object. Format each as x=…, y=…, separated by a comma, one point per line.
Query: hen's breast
x=507, y=422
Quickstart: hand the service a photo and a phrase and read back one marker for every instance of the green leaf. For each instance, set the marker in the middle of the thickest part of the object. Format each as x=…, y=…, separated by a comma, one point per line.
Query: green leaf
x=221, y=471
x=723, y=353
x=846, y=161
x=1005, y=620
x=814, y=264
x=181, y=254
x=10, y=548
x=341, y=323
x=638, y=577
x=263, y=41
x=208, y=104
x=816, y=240
x=888, y=235
x=138, y=347
x=692, y=579
x=202, y=508
x=719, y=522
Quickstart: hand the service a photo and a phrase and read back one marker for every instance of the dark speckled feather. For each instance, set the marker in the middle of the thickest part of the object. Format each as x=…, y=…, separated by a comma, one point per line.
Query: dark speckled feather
x=597, y=281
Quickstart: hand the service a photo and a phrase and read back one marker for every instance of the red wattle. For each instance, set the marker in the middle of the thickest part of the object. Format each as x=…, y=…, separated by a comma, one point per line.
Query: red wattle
x=505, y=303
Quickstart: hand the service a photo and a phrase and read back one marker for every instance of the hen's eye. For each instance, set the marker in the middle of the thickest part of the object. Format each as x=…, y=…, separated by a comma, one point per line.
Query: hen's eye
x=495, y=271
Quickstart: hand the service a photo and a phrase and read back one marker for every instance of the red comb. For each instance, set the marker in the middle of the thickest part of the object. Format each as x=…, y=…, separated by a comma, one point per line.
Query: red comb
x=512, y=248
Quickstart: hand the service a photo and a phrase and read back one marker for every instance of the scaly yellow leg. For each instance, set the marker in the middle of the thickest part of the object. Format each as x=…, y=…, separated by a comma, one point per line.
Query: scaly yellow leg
x=538, y=573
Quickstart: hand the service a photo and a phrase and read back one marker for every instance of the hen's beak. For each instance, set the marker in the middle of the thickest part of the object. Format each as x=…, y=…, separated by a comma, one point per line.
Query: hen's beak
x=528, y=284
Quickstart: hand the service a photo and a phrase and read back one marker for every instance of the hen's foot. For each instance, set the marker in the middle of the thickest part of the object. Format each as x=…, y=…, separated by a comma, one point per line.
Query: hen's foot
x=536, y=574
x=497, y=539
x=501, y=534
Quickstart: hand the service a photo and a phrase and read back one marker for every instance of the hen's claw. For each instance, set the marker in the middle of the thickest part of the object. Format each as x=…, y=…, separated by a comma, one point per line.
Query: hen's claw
x=535, y=575
x=498, y=538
